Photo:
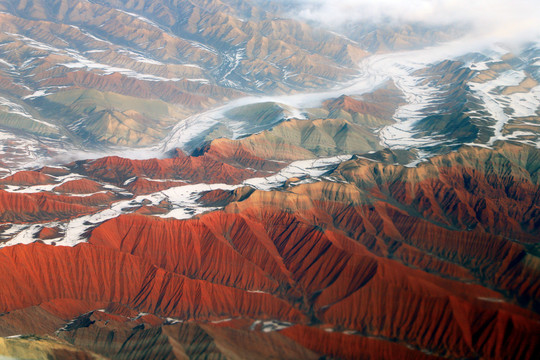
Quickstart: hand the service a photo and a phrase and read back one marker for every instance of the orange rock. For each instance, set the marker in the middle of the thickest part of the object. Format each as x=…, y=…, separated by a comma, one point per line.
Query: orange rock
x=21, y=207
x=27, y=178
x=186, y=168
x=79, y=186
x=102, y=275
x=142, y=186
x=48, y=233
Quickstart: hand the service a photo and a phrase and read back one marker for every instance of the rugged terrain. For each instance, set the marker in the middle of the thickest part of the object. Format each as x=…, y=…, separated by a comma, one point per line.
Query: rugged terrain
x=346, y=257
x=185, y=179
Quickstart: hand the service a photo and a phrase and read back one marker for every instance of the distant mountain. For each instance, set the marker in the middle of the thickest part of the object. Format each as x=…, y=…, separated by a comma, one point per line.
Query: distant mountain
x=398, y=37
x=120, y=73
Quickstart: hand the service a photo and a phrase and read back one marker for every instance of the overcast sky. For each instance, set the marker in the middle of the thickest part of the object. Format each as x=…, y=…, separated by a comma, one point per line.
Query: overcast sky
x=497, y=19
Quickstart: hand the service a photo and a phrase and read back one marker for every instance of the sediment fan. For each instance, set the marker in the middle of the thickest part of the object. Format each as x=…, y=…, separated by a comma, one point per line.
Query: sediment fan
x=219, y=179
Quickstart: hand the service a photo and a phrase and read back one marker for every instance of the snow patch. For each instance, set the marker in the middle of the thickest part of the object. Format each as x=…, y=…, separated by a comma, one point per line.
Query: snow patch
x=312, y=168
x=182, y=201
x=503, y=108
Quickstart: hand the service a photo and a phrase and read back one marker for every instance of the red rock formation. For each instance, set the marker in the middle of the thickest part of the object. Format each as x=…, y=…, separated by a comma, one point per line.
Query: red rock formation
x=141, y=186
x=429, y=260
x=350, y=288
x=42, y=207
x=194, y=169
x=48, y=233
x=381, y=103
x=223, y=197
x=27, y=178
x=192, y=248
x=54, y=171
x=237, y=154
x=79, y=186
x=105, y=275
x=351, y=105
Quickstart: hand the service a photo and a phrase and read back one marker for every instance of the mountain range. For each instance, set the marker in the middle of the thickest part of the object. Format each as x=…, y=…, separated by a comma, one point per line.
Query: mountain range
x=188, y=179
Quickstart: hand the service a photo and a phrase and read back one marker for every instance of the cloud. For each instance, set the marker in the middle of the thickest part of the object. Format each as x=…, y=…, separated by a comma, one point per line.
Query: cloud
x=499, y=19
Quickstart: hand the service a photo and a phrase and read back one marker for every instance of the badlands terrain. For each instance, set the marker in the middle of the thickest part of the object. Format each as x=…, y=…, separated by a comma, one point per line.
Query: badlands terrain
x=189, y=179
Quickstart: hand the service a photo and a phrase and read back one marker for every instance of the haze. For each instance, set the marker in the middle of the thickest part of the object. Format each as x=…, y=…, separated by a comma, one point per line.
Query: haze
x=497, y=20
